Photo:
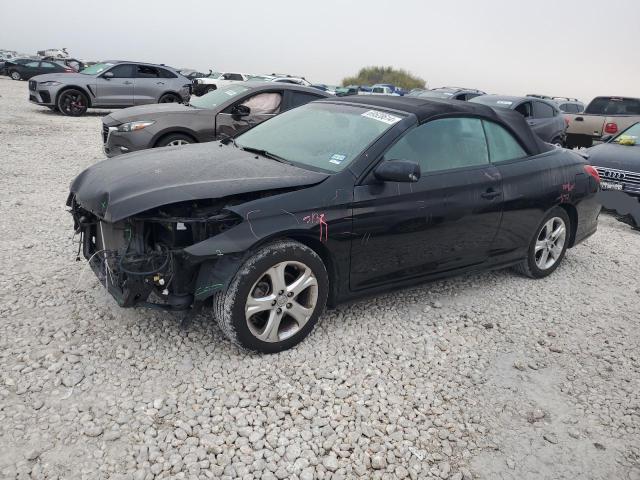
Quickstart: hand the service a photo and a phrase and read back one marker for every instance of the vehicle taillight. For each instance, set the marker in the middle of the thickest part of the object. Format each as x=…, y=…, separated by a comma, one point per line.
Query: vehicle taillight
x=611, y=127
x=566, y=122
x=593, y=172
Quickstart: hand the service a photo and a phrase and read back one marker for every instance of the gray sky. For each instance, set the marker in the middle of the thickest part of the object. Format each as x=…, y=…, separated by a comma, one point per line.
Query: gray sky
x=577, y=48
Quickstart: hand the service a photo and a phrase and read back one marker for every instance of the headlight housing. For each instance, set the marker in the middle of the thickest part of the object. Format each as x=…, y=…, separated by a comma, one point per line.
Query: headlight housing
x=50, y=83
x=134, y=126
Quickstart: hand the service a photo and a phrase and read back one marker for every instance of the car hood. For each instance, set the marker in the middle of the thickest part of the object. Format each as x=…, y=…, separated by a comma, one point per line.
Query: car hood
x=145, y=112
x=612, y=155
x=65, y=78
x=118, y=188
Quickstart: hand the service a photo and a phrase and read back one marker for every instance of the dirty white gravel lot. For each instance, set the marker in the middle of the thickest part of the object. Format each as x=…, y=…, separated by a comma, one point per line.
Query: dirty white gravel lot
x=489, y=376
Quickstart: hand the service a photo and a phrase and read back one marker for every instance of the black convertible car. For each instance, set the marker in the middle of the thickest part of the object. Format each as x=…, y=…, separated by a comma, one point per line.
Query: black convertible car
x=327, y=202
x=618, y=163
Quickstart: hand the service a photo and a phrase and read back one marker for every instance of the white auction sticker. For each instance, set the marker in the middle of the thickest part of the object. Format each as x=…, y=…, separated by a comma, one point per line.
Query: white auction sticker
x=382, y=117
x=504, y=102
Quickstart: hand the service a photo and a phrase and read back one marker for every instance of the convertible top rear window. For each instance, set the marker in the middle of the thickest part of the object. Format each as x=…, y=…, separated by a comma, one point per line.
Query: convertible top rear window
x=322, y=136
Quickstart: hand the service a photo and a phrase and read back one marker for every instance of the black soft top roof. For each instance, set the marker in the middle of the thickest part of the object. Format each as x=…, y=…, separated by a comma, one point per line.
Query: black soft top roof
x=429, y=108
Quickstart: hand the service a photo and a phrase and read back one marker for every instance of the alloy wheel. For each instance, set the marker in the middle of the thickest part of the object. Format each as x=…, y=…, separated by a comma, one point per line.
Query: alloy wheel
x=175, y=143
x=550, y=243
x=282, y=301
x=72, y=103
x=15, y=75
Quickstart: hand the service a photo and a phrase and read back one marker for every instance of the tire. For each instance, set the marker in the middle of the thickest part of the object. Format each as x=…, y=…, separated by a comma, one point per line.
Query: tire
x=170, y=98
x=72, y=102
x=174, y=140
x=293, y=313
x=210, y=88
x=545, y=252
x=15, y=75
x=557, y=141
x=53, y=109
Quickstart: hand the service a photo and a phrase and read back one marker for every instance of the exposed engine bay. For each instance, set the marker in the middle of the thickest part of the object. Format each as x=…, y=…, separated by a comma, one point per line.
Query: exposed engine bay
x=144, y=254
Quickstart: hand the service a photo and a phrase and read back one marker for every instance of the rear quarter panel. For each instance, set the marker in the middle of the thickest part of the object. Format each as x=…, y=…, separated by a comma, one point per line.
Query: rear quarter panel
x=531, y=187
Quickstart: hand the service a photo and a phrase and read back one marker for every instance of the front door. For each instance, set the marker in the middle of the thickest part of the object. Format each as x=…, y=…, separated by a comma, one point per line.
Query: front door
x=446, y=220
x=116, y=90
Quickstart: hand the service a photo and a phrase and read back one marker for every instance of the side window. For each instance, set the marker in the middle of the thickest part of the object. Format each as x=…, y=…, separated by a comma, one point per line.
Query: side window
x=566, y=107
x=472, y=95
x=267, y=103
x=145, y=71
x=122, y=71
x=502, y=145
x=443, y=144
x=543, y=110
x=166, y=73
x=524, y=109
x=32, y=64
x=300, y=98
x=47, y=65
x=232, y=76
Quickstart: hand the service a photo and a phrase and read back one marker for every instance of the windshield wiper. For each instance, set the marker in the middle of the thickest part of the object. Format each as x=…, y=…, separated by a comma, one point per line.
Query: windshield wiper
x=264, y=153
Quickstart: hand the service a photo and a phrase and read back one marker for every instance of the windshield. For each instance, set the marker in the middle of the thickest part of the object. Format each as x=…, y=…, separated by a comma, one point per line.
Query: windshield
x=96, y=69
x=259, y=78
x=435, y=94
x=217, y=97
x=631, y=136
x=322, y=136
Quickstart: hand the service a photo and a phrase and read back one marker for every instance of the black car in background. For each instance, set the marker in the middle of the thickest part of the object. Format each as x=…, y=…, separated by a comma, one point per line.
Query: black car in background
x=329, y=201
x=24, y=69
x=618, y=163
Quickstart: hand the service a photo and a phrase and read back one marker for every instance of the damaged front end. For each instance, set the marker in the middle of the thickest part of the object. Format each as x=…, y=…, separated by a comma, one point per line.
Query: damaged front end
x=141, y=260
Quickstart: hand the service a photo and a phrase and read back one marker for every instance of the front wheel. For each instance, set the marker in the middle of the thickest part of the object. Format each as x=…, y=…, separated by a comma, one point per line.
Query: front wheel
x=275, y=299
x=15, y=75
x=548, y=246
x=72, y=103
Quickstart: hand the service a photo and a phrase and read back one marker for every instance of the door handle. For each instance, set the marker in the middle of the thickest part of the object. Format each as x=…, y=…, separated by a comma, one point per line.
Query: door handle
x=490, y=194
x=127, y=82
x=159, y=83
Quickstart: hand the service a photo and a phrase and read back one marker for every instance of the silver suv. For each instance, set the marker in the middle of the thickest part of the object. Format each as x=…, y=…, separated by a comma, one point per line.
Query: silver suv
x=112, y=84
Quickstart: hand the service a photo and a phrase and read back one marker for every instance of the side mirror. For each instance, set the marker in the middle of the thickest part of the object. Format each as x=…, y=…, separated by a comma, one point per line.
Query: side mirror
x=398, y=171
x=240, y=111
x=108, y=75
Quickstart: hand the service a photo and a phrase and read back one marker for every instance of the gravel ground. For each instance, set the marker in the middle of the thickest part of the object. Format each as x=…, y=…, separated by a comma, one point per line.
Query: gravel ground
x=490, y=376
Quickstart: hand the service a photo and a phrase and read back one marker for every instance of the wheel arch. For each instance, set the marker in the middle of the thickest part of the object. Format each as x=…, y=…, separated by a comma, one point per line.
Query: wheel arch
x=572, y=212
x=170, y=92
x=175, y=130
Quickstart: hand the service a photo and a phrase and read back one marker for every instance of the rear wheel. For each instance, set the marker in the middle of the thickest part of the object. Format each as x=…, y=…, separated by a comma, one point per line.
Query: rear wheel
x=174, y=140
x=548, y=246
x=73, y=103
x=170, y=98
x=275, y=299
x=15, y=75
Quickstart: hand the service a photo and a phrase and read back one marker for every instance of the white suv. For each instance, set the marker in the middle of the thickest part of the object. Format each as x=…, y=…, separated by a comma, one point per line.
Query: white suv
x=217, y=80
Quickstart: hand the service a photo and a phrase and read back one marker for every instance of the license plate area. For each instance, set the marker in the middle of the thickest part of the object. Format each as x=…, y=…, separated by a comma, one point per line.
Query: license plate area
x=611, y=186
